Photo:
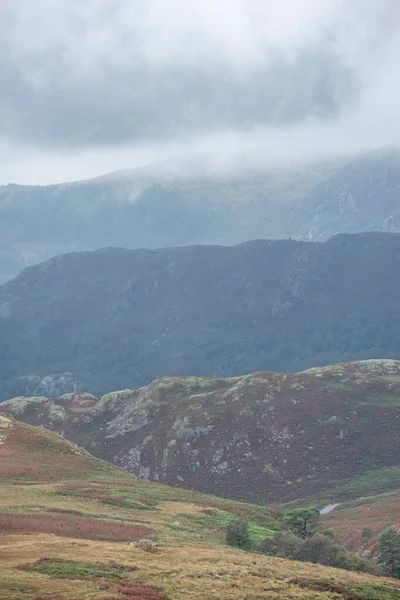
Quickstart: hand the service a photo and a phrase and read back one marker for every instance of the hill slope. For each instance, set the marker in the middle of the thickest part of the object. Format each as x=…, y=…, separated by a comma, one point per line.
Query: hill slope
x=167, y=205
x=326, y=432
x=73, y=540
x=360, y=522
x=117, y=318
x=29, y=454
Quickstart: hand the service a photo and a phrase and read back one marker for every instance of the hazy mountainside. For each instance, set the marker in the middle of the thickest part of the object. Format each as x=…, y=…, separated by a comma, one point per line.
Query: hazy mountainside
x=72, y=526
x=167, y=205
x=328, y=432
x=115, y=318
x=146, y=209
x=361, y=196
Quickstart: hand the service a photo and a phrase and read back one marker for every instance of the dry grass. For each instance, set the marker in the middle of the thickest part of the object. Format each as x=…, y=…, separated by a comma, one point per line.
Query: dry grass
x=183, y=573
x=65, y=523
x=33, y=454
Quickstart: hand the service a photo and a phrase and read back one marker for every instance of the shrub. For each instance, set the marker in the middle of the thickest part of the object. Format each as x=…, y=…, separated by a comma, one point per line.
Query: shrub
x=146, y=545
x=237, y=534
x=319, y=549
x=366, y=533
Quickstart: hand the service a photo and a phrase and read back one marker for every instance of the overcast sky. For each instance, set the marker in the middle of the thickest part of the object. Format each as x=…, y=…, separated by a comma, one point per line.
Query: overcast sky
x=90, y=86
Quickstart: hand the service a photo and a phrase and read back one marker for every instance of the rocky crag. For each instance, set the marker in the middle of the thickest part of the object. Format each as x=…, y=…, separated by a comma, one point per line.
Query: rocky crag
x=327, y=432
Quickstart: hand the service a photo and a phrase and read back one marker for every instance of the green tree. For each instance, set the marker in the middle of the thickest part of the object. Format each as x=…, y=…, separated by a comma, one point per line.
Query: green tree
x=237, y=534
x=389, y=549
x=303, y=521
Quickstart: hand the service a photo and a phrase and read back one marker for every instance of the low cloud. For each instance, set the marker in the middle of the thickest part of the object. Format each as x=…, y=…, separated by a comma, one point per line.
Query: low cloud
x=90, y=86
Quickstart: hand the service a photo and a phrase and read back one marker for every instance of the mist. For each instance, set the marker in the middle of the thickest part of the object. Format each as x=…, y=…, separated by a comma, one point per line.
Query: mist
x=90, y=87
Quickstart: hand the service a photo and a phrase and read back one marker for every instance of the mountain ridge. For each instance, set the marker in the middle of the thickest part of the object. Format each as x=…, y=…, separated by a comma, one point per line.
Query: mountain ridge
x=118, y=318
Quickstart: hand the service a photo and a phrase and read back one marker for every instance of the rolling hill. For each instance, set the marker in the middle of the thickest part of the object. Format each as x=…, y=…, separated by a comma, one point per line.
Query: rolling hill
x=80, y=533
x=326, y=433
x=115, y=318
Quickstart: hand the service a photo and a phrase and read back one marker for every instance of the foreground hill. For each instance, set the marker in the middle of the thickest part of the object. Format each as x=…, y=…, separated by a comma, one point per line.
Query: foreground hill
x=327, y=432
x=176, y=205
x=85, y=538
x=117, y=318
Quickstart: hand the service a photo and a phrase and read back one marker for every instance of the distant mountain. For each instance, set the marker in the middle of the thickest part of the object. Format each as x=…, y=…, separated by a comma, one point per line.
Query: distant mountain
x=153, y=207
x=118, y=318
x=325, y=433
x=171, y=204
x=361, y=196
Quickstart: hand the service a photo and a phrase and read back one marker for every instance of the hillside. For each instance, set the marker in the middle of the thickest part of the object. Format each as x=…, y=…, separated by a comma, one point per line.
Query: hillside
x=81, y=539
x=115, y=318
x=264, y=437
x=166, y=205
x=360, y=522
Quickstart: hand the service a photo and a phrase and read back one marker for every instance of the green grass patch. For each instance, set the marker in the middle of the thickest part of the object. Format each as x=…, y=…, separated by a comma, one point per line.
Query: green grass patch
x=64, y=569
x=120, y=498
x=220, y=520
x=375, y=592
x=259, y=532
x=338, y=384
x=213, y=520
x=378, y=400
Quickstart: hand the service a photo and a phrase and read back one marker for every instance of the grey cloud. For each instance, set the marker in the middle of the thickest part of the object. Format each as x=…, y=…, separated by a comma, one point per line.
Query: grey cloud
x=97, y=74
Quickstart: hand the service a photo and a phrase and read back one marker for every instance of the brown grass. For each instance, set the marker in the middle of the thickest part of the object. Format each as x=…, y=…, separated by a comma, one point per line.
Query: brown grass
x=376, y=513
x=36, y=454
x=128, y=590
x=73, y=527
x=183, y=573
x=327, y=586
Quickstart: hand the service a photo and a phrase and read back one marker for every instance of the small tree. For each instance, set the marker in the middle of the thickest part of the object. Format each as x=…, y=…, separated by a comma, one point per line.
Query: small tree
x=303, y=521
x=366, y=534
x=237, y=534
x=389, y=548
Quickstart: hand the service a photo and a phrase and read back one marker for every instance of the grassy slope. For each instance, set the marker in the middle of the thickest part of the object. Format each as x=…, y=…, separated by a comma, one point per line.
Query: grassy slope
x=88, y=499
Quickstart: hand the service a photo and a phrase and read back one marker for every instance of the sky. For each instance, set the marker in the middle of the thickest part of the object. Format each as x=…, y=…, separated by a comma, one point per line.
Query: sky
x=91, y=86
